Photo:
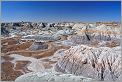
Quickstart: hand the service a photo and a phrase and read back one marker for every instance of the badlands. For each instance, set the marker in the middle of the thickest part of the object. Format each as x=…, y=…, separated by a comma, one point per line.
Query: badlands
x=67, y=51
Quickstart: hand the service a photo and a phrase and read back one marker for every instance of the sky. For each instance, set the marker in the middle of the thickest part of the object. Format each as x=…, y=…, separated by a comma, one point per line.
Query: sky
x=61, y=11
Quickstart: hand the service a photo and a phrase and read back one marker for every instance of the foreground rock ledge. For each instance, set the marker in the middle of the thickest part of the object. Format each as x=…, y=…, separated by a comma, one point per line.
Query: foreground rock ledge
x=50, y=77
x=101, y=63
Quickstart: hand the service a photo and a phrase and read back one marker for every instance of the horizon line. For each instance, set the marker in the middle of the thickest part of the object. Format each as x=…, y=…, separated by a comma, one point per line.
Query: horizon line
x=59, y=22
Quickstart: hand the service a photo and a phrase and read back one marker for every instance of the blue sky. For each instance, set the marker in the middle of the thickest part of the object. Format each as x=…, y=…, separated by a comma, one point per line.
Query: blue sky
x=64, y=11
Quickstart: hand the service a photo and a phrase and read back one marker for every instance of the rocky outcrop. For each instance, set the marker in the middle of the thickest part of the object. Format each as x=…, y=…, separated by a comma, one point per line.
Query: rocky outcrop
x=37, y=45
x=4, y=31
x=88, y=34
x=106, y=33
x=44, y=47
x=45, y=37
x=87, y=31
x=98, y=63
x=102, y=32
x=65, y=32
x=41, y=26
x=50, y=77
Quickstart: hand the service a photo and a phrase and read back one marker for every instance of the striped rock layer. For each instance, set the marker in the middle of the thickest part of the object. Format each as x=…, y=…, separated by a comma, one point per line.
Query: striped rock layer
x=98, y=63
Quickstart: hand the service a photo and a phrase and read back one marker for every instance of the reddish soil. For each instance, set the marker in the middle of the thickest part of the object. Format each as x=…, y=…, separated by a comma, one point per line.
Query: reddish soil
x=7, y=58
x=8, y=74
x=10, y=71
x=39, y=53
x=10, y=41
x=16, y=47
x=21, y=65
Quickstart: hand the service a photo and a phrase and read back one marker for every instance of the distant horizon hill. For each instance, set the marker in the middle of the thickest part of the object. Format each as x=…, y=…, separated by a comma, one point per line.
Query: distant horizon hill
x=64, y=22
